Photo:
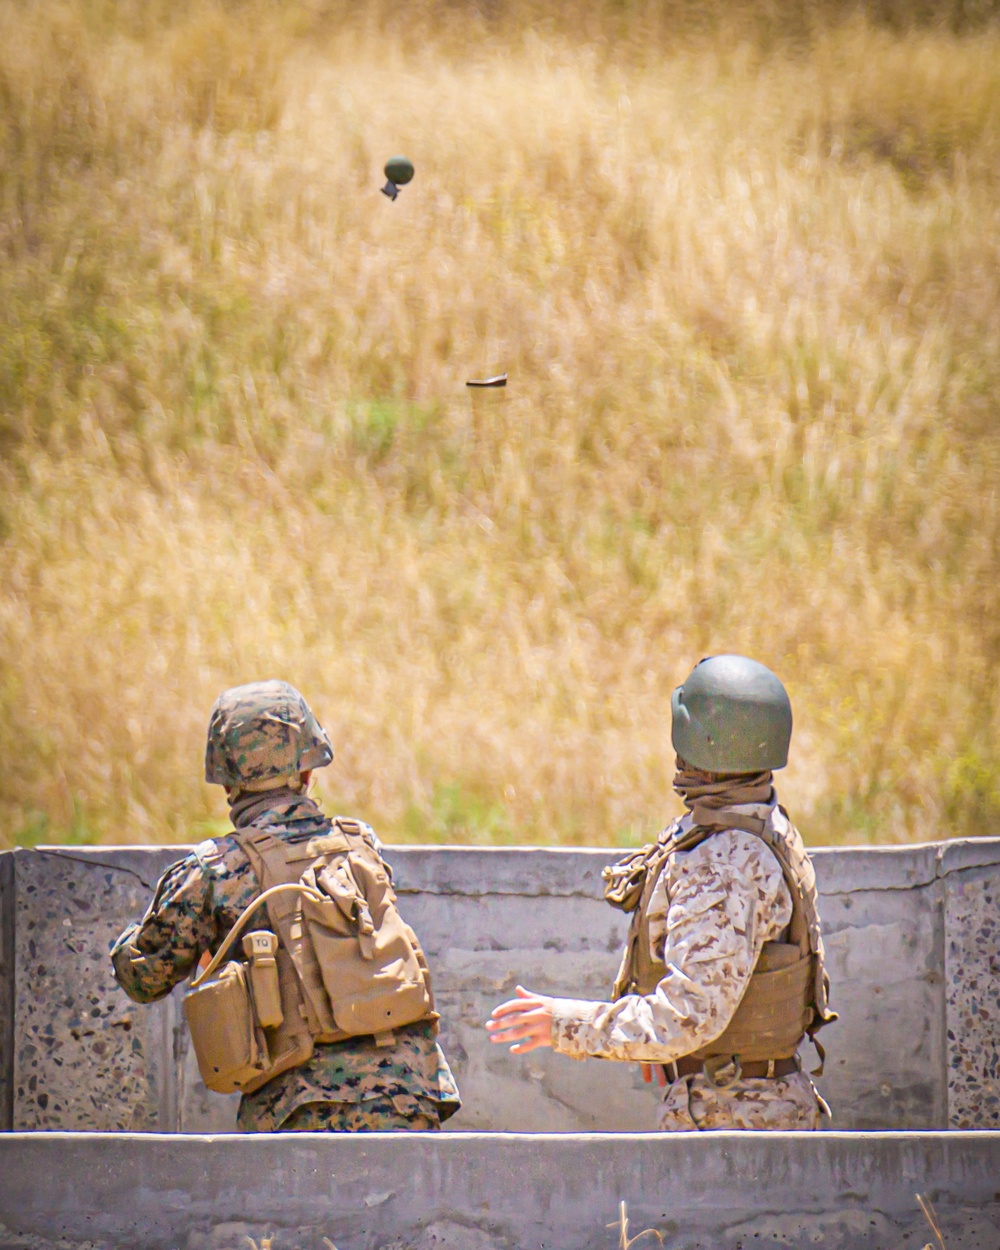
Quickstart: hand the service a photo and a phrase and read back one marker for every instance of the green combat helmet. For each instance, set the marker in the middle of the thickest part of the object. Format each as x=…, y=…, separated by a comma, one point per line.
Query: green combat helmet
x=732, y=715
x=261, y=735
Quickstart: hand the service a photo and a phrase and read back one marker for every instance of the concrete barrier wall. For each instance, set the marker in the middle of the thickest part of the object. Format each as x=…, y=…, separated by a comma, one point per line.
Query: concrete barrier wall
x=727, y=1191
x=6, y=991
x=912, y=934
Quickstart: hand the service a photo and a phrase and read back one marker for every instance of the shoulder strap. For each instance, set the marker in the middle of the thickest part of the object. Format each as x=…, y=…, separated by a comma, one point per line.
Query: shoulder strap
x=639, y=875
x=245, y=915
x=803, y=929
x=705, y=822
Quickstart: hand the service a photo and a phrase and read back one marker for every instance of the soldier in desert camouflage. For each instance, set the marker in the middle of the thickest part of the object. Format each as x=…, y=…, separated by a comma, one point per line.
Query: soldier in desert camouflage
x=263, y=743
x=722, y=975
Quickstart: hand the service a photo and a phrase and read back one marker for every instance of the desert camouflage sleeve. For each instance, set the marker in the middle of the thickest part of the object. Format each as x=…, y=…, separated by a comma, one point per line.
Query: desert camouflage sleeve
x=712, y=911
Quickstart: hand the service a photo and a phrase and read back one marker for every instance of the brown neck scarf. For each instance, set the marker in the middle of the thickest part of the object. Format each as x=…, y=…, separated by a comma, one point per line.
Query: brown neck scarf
x=249, y=806
x=710, y=796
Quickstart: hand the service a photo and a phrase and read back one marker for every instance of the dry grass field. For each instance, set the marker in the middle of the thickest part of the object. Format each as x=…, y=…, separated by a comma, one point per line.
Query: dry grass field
x=742, y=264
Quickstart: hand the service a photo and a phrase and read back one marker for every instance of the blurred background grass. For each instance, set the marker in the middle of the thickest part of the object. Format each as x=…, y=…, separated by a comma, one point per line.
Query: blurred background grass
x=742, y=263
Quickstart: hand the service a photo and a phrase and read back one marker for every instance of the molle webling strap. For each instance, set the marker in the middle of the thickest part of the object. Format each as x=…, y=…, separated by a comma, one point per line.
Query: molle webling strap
x=624, y=880
x=713, y=820
x=629, y=886
x=272, y=863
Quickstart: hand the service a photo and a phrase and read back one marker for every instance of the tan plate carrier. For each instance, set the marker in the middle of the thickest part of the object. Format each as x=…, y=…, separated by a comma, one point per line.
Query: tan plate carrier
x=786, y=997
x=347, y=964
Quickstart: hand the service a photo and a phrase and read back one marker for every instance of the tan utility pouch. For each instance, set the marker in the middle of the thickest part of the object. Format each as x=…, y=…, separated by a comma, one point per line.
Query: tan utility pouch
x=223, y=1031
x=229, y=1043
x=260, y=948
x=290, y=1043
x=358, y=967
x=367, y=954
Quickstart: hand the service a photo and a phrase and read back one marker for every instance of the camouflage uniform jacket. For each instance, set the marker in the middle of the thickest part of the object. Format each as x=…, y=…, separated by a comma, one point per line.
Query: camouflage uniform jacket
x=711, y=912
x=196, y=903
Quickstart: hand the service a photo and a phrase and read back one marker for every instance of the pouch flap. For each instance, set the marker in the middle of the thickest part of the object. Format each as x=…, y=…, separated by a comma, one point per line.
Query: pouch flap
x=381, y=1010
x=335, y=882
x=791, y=980
x=775, y=955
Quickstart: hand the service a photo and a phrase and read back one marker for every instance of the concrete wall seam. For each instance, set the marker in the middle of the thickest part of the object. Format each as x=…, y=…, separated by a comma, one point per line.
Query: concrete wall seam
x=7, y=946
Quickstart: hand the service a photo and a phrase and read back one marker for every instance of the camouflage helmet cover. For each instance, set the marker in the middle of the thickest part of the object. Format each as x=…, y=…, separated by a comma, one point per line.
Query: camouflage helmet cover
x=262, y=732
x=732, y=715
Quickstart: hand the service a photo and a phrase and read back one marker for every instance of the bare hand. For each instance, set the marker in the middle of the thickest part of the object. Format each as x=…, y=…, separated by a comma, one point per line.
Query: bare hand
x=647, y=1074
x=526, y=1020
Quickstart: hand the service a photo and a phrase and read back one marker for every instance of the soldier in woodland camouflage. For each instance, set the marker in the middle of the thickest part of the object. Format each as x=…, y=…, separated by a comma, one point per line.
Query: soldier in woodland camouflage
x=723, y=973
x=263, y=743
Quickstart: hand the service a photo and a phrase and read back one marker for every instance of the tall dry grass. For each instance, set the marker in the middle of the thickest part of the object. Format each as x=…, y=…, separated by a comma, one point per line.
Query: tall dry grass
x=743, y=266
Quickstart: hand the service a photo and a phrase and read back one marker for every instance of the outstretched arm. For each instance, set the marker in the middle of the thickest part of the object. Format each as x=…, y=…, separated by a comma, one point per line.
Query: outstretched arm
x=525, y=1020
x=725, y=899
